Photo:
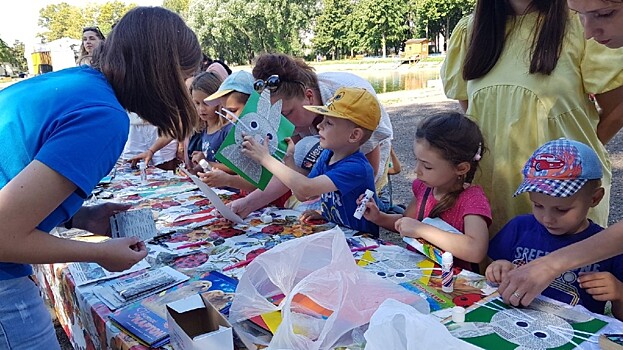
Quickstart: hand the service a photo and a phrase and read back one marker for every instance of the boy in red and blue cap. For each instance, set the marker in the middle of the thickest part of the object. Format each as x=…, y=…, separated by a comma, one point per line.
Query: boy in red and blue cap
x=563, y=180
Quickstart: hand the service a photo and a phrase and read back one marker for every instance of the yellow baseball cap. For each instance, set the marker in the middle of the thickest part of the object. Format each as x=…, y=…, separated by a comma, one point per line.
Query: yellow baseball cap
x=355, y=104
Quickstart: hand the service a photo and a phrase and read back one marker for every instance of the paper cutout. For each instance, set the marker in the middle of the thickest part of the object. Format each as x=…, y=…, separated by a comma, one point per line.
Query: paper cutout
x=214, y=199
x=429, y=250
x=259, y=119
x=133, y=223
x=543, y=325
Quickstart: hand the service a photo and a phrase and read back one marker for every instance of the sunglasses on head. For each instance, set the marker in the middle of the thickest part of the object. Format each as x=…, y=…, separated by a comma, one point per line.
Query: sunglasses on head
x=92, y=29
x=272, y=83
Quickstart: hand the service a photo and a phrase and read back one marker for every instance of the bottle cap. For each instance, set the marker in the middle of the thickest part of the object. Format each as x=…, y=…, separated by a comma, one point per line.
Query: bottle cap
x=446, y=258
x=458, y=314
x=142, y=165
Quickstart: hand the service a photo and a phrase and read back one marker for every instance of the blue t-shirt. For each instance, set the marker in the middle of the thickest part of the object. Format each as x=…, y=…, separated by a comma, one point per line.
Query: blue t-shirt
x=69, y=120
x=524, y=239
x=352, y=176
x=208, y=143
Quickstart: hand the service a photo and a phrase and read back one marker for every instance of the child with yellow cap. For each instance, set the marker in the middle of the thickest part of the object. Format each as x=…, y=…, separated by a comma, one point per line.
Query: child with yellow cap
x=341, y=173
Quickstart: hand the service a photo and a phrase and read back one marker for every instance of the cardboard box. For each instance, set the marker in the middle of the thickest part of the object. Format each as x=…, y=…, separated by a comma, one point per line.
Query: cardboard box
x=195, y=324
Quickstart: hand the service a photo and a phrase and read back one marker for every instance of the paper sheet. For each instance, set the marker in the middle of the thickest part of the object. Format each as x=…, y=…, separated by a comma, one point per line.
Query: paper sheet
x=214, y=199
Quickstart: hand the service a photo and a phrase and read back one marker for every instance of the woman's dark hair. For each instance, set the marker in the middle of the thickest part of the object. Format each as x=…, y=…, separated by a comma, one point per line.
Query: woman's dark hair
x=146, y=59
x=458, y=139
x=488, y=35
x=294, y=74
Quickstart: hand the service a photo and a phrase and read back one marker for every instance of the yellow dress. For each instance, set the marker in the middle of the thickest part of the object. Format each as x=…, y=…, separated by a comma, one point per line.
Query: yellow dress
x=518, y=111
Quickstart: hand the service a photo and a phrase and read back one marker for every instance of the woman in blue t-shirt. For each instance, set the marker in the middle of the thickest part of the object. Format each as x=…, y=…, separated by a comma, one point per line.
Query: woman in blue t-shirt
x=60, y=133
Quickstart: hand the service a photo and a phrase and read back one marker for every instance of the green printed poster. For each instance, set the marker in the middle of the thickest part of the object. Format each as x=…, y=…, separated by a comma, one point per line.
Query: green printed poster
x=259, y=119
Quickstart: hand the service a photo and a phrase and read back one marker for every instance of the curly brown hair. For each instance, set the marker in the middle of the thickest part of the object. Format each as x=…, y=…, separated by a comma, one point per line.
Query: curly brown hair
x=294, y=73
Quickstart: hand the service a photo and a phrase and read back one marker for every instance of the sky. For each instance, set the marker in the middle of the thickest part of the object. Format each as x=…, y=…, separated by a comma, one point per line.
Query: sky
x=19, y=20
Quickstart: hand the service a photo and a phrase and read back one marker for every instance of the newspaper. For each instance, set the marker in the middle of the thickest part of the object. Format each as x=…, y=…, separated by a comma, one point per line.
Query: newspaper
x=85, y=272
x=120, y=292
x=134, y=223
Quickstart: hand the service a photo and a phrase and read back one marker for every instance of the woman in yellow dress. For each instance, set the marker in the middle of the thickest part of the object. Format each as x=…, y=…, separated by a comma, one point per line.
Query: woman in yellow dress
x=523, y=71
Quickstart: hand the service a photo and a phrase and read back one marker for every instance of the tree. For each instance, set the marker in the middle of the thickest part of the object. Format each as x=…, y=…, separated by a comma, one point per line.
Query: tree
x=64, y=20
x=19, y=59
x=441, y=16
x=333, y=28
x=60, y=20
x=238, y=30
x=381, y=23
x=178, y=6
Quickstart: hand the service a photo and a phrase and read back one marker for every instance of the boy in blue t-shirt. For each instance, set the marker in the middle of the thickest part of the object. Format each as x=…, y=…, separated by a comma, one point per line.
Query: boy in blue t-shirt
x=563, y=180
x=341, y=173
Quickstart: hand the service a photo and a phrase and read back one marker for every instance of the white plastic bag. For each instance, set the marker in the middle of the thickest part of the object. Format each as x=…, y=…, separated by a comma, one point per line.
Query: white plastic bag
x=398, y=326
x=321, y=267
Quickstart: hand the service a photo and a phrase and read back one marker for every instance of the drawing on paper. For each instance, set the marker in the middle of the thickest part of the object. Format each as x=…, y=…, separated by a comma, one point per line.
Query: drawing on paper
x=544, y=325
x=262, y=120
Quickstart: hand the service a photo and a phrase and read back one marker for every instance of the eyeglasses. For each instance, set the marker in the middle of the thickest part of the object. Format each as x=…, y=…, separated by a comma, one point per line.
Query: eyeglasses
x=93, y=29
x=272, y=83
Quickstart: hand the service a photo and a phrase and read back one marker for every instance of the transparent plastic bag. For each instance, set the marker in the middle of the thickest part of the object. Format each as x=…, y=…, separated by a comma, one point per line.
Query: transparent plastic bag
x=319, y=268
x=398, y=326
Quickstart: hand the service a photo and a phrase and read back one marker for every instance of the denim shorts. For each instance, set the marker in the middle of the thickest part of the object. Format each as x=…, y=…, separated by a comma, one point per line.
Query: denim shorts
x=25, y=322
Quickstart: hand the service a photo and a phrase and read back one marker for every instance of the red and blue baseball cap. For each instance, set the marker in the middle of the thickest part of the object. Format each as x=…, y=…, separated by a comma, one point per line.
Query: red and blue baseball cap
x=560, y=168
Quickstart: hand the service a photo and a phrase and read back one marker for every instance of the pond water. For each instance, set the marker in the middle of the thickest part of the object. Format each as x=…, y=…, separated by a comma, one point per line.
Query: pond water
x=393, y=80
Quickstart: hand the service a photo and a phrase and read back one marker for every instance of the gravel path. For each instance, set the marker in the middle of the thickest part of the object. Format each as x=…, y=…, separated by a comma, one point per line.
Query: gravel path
x=406, y=116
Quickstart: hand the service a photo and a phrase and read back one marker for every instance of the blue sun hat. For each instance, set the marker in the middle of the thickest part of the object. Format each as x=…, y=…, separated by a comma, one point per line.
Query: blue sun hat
x=560, y=168
x=241, y=81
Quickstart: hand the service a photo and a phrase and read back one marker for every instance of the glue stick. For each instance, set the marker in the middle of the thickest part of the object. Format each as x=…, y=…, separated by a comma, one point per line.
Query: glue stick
x=447, y=275
x=143, y=168
x=205, y=165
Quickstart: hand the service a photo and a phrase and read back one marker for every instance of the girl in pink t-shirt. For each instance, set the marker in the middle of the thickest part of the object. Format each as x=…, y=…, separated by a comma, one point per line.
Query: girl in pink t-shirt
x=448, y=148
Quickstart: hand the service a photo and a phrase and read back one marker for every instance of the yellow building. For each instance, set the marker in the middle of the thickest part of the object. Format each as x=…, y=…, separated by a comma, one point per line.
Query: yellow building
x=415, y=49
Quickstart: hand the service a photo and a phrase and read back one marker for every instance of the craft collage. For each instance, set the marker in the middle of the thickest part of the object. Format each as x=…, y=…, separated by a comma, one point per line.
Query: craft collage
x=194, y=250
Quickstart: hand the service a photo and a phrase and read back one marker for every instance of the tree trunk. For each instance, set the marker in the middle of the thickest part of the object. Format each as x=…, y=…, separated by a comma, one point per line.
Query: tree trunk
x=383, y=43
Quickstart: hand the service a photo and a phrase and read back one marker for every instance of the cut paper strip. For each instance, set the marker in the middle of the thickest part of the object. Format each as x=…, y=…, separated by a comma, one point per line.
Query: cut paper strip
x=214, y=199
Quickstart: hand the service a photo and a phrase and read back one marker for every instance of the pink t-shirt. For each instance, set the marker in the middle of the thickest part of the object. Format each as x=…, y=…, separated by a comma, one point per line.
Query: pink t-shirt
x=472, y=201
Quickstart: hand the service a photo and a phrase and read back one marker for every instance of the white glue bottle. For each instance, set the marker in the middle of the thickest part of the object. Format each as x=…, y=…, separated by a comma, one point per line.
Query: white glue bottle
x=205, y=165
x=447, y=273
x=143, y=169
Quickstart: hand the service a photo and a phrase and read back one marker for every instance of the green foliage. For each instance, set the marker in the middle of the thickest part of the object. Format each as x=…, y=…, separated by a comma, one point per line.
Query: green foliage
x=178, y=6
x=334, y=28
x=5, y=51
x=64, y=20
x=441, y=16
x=381, y=24
x=238, y=30
x=13, y=55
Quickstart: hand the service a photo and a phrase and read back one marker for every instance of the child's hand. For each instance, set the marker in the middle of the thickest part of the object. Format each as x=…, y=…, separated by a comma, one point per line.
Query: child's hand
x=255, y=150
x=496, y=272
x=241, y=206
x=144, y=156
x=407, y=227
x=214, y=178
x=372, y=212
x=312, y=217
x=196, y=157
x=602, y=286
